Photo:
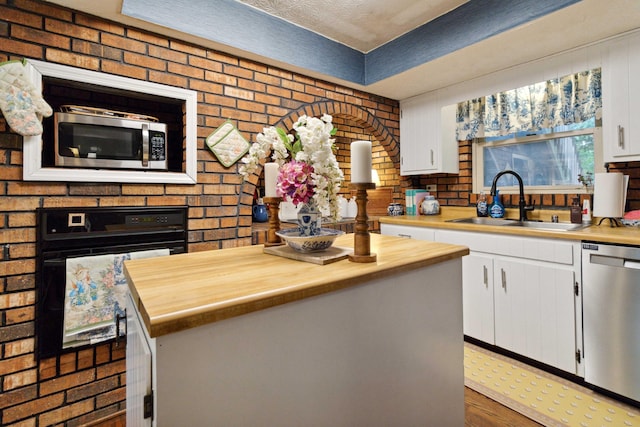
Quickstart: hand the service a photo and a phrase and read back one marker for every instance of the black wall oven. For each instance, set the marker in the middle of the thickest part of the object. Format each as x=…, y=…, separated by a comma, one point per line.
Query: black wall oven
x=78, y=236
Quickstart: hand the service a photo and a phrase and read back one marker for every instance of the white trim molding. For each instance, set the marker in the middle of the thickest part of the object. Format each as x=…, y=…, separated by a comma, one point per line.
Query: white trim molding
x=32, y=148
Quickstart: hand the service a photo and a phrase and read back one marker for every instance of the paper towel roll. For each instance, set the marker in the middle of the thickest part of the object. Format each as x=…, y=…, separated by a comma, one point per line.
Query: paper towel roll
x=609, y=194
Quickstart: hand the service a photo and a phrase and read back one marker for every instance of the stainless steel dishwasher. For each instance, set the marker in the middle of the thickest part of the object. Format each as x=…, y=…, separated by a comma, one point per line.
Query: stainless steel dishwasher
x=611, y=310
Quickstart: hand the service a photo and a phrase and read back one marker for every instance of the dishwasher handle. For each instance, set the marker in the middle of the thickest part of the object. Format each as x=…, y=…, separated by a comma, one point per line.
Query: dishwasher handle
x=634, y=265
x=614, y=261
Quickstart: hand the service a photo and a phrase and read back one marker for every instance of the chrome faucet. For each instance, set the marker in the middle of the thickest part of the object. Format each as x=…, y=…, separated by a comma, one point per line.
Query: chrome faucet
x=521, y=204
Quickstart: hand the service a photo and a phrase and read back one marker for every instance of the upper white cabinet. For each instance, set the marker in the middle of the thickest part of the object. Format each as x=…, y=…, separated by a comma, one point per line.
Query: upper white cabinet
x=427, y=136
x=621, y=100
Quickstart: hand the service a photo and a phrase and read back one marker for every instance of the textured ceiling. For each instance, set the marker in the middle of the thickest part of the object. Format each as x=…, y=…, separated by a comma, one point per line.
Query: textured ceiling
x=360, y=24
x=585, y=22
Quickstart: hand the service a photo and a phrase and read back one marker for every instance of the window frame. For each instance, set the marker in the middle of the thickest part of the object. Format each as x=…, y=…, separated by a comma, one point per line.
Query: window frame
x=477, y=161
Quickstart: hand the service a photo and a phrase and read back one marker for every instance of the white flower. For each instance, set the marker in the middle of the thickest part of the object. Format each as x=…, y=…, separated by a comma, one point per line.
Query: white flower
x=313, y=145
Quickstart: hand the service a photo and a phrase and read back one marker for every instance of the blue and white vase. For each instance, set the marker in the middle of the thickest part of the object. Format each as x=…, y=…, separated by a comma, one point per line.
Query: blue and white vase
x=309, y=220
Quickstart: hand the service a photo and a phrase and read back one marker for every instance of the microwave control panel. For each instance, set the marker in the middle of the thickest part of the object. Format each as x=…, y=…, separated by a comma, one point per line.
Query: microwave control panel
x=158, y=146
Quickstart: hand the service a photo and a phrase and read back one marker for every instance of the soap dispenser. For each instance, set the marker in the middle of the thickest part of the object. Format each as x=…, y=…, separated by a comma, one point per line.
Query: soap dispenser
x=481, y=207
x=576, y=212
x=497, y=209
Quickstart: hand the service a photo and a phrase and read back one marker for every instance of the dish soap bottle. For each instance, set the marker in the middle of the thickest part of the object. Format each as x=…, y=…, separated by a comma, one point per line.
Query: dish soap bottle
x=481, y=207
x=576, y=212
x=497, y=209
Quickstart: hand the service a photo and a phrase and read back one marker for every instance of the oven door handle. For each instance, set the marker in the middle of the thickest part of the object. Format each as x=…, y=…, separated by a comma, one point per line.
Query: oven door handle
x=120, y=318
x=145, y=144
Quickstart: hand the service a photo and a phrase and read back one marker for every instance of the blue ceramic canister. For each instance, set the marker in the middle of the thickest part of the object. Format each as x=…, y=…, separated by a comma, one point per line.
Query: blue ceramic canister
x=395, y=209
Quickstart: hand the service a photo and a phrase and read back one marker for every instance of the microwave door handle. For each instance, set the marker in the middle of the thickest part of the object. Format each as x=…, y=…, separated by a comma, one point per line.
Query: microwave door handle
x=145, y=144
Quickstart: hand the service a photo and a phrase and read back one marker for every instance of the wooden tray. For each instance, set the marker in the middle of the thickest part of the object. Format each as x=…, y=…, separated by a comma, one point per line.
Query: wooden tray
x=333, y=254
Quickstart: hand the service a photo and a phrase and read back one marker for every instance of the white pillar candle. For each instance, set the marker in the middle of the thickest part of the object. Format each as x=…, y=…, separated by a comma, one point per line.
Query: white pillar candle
x=270, y=179
x=361, y=162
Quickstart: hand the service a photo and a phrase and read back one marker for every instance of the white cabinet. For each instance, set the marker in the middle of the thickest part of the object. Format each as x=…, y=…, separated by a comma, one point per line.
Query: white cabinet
x=477, y=297
x=534, y=311
x=621, y=100
x=427, y=136
x=519, y=293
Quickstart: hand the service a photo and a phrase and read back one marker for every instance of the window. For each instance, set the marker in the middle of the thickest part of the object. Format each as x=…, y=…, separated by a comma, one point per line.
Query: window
x=549, y=161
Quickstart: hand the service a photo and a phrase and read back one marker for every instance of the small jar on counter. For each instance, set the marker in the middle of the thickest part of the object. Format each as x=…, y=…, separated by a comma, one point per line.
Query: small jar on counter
x=430, y=206
x=395, y=209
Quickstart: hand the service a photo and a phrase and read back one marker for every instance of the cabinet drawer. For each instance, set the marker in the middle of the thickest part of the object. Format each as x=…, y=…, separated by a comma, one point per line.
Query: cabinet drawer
x=418, y=233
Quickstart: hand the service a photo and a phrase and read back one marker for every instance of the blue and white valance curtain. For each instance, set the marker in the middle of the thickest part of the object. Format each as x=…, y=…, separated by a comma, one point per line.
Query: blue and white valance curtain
x=566, y=100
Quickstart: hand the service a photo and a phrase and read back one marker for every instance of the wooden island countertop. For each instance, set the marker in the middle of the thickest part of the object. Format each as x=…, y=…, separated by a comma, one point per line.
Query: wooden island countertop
x=188, y=290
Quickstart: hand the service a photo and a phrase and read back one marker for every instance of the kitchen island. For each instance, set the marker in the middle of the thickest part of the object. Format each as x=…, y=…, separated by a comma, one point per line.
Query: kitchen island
x=239, y=337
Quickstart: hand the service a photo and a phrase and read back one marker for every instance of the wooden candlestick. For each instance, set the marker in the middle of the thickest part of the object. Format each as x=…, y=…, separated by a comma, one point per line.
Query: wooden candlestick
x=362, y=240
x=274, y=221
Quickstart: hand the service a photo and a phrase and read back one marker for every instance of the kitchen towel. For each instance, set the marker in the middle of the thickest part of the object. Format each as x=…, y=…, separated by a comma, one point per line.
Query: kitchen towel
x=609, y=195
x=21, y=104
x=96, y=291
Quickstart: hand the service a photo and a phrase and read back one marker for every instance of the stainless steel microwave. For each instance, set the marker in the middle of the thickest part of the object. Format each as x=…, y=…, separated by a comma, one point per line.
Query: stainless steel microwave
x=96, y=138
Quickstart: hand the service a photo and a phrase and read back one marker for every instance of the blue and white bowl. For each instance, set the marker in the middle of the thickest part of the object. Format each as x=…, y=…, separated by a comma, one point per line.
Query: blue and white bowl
x=320, y=242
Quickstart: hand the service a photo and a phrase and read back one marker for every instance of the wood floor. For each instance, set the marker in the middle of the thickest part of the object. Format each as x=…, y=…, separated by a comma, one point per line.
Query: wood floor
x=479, y=411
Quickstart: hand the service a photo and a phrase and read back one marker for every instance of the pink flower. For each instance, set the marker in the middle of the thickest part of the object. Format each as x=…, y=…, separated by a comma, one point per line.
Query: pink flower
x=295, y=182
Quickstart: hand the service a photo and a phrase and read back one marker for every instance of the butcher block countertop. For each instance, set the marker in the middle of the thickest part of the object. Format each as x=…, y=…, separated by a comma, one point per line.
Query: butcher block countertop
x=183, y=291
x=595, y=233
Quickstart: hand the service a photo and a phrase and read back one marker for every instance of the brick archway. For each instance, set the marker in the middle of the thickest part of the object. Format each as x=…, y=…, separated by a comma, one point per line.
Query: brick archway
x=371, y=123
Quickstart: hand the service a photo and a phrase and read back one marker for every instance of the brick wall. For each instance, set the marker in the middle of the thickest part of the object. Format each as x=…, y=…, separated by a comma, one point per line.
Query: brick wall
x=80, y=387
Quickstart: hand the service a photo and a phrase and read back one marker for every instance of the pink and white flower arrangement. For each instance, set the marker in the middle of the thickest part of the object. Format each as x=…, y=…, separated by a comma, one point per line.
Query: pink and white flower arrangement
x=309, y=171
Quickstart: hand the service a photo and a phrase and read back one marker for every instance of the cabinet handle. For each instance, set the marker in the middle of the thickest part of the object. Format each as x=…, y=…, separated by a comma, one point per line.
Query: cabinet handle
x=431, y=157
x=504, y=278
x=404, y=235
x=486, y=276
x=620, y=137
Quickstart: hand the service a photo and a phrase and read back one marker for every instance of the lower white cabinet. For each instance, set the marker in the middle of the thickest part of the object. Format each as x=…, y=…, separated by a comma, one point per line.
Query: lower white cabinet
x=477, y=297
x=535, y=311
x=522, y=294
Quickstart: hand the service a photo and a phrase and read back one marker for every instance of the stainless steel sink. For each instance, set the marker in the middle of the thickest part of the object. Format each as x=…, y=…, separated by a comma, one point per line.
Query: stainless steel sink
x=554, y=226
x=538, y=225
x=484, y=221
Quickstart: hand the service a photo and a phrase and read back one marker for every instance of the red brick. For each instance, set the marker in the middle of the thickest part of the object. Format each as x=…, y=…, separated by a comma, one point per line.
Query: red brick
x=98, y=24
x=16, y=397
x=123, y=43
x=67, y=412
x=19, y=379
x=72, y=30
x=22, y=49
x=20, y=315
x=73, y=59
x=167, y=54
x=168, y=79
x=149, y=38
x=66, y=382
x=20, y=17
x=131, y=71
x=16, y=364
x=40, y=37
x=16, y=348
x=144, y=61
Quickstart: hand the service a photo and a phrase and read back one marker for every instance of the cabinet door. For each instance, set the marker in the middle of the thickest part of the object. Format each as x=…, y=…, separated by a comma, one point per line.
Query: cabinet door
x=477, y=295
x=535, y=311
x=621, y=100
x=417, y=148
